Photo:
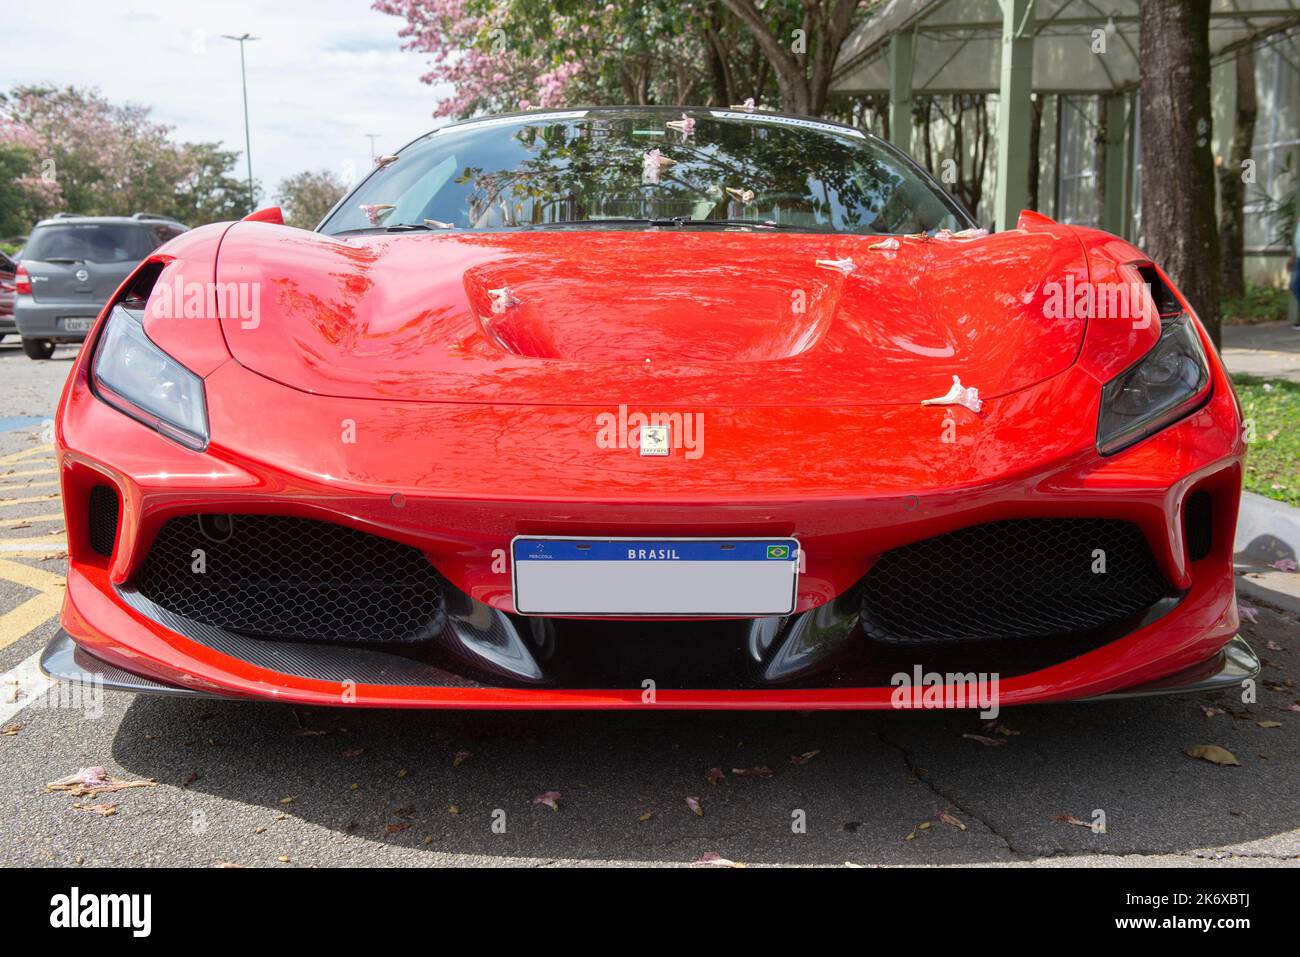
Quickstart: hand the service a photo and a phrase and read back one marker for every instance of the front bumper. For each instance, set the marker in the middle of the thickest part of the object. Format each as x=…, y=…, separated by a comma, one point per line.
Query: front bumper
x=458, y=482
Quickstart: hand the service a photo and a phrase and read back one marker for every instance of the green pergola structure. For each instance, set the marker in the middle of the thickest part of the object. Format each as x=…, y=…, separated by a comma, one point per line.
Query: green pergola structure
x=1016, y=48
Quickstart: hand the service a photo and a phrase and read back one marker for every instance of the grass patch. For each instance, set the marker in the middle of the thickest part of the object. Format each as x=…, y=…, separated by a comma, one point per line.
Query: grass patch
x=1259, y=304
x=1273, y=458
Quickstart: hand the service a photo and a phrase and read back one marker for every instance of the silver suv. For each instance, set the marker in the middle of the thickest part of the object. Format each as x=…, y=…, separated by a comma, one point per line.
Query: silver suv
x=71, y=265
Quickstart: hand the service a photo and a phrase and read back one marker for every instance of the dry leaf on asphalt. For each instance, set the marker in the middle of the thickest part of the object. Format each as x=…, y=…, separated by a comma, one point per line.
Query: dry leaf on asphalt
x=103, y=810
x=1269, y=724
x=714, y=859
x=394, y=828
x=1071, y=819
x=997, y=727
x=89, y=782
x=714, y=775
x=1211, y=711
x=949, y=819
x=646, y=816
x=803, y=758
x=460, y=758
x=1212, y=753
x=548, y=799
x=10, y=730
x=762, y=771
x=694, y=804
x=985, y=740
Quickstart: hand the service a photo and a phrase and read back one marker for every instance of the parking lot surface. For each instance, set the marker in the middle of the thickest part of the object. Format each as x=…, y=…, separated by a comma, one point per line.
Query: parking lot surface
x=269, y=785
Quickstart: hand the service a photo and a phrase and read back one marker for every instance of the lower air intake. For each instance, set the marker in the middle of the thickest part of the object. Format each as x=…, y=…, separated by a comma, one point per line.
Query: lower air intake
x=102, y=525
x=1024, y=578
x=273, y=576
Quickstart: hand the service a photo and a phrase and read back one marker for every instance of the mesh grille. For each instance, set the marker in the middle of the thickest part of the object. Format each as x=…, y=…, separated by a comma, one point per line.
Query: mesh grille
x=1026, y=578
x=273, y=576
x=103, y=519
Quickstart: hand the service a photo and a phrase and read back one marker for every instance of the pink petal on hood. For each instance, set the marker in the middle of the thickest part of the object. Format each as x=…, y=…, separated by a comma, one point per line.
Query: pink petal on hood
x=376, y=211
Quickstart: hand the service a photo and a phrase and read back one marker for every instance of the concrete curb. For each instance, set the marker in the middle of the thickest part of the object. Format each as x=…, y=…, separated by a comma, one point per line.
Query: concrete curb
x=1266, y=531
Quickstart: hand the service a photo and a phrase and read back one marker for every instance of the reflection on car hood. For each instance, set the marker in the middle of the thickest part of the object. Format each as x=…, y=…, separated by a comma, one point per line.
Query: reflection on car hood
x=670, y=317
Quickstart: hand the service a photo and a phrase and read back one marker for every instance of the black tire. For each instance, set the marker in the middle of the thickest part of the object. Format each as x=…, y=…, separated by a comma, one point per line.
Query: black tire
x=38, y=348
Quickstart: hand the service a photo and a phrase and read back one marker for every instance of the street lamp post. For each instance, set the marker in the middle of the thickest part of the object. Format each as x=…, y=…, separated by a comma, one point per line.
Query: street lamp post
x=248, y=142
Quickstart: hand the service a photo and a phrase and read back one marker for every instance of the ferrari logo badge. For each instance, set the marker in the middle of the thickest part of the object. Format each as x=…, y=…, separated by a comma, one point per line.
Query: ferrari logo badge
x=654, y=440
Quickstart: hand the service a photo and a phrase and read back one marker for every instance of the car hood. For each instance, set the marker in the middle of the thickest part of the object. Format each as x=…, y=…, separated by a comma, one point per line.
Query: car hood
x=671, y=318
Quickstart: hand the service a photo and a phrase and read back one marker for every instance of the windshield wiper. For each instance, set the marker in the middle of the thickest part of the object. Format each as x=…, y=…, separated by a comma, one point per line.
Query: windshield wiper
x=396, y=228
x=669, y=221
x=756, y=223
x=612, y=221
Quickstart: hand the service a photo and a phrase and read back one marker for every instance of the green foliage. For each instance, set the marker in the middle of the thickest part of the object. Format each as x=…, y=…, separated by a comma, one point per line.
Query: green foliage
x=1272, y=413
x=98, y=158
x=1258, y=304
x=306, y=197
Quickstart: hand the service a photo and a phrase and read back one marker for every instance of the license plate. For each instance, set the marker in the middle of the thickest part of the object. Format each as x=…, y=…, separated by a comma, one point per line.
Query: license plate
x=657, y=577
x=78, y=324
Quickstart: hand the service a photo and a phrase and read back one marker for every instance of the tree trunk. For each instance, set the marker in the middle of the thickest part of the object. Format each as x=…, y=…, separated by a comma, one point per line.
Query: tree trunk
x=1232, y=188
x=1099, y=150
x=1035, y=140
x=803, y=79
x=1178, y=216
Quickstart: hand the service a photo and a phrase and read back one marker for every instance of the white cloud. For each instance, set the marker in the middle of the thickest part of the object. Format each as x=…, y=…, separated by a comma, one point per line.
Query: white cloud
x=322, y=74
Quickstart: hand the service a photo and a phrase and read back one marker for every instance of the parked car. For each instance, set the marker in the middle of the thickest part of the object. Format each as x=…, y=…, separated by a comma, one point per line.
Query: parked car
x=620, y=408
x=8, y=270
x=71, y=265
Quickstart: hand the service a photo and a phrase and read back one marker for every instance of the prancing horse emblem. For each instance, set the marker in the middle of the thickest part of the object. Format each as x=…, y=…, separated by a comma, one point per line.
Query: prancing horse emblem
x=654, y=440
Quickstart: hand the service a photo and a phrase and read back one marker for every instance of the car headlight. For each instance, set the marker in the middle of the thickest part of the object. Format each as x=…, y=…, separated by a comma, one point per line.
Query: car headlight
x=134, y=375
x=1169, y=382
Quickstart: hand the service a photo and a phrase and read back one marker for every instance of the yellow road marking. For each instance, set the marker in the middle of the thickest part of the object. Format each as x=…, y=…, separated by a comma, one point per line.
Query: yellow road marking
x=28, y=616
x=60, y=538
x=26, y=454
x=36, y=610
x=37, y=578
x=31, y=519
x=27, y=501
x=15, y=486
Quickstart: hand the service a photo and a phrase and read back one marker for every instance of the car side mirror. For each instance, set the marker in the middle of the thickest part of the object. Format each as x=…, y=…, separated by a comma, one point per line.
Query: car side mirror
x=268, y=214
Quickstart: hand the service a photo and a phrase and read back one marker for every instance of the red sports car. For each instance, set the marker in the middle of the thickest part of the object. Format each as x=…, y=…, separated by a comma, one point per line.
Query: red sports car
x=627, y=408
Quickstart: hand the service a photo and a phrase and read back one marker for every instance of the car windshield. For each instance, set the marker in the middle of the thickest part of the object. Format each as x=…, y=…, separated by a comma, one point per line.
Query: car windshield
x=88, y=242
x=626, y=168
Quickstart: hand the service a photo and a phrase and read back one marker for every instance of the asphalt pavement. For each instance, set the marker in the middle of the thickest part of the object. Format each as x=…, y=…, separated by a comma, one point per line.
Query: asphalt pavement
x=270, y=785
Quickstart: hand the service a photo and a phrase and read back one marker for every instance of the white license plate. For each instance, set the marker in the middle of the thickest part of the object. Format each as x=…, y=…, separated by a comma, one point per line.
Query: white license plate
x=656, y=576
x=78, y=324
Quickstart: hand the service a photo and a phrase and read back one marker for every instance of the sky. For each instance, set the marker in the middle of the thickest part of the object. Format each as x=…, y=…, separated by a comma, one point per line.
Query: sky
x=323, y=74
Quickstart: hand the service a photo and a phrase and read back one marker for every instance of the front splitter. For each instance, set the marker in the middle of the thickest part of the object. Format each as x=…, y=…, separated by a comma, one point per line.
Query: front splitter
x=64, y=660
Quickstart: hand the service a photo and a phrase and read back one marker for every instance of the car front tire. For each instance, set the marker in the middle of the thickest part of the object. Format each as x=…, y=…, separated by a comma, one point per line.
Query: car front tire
x=38, y=348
